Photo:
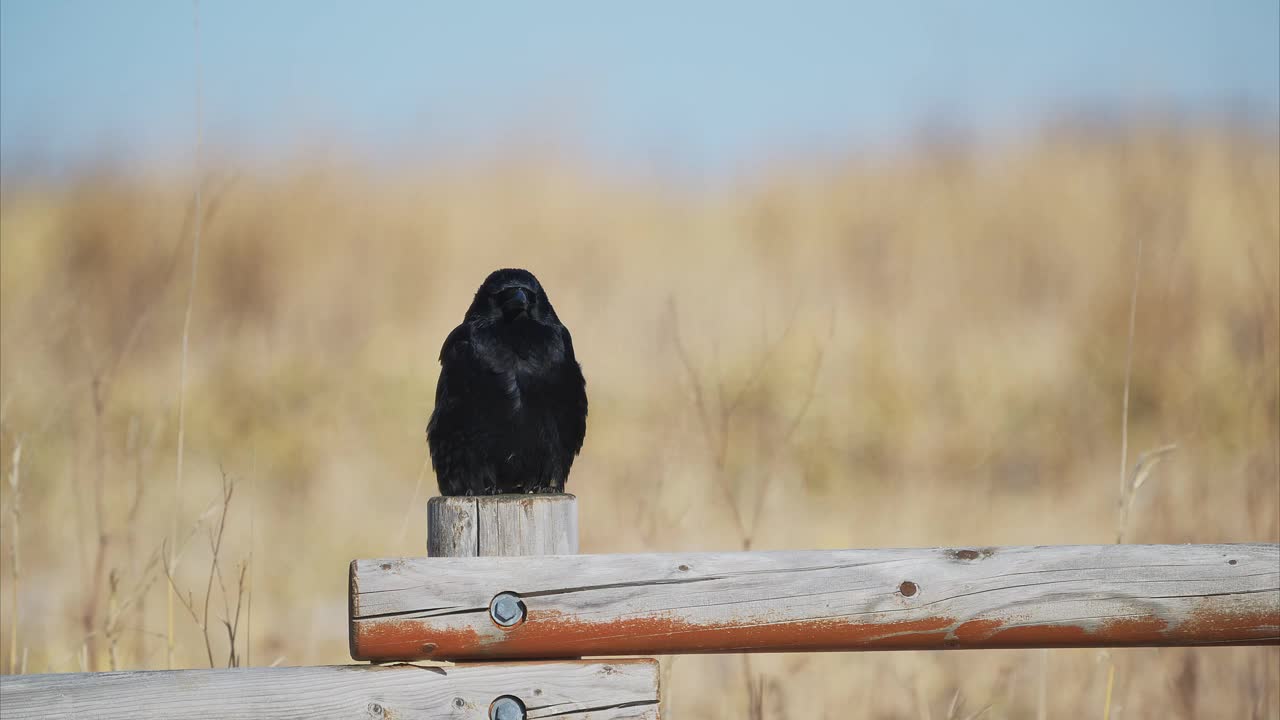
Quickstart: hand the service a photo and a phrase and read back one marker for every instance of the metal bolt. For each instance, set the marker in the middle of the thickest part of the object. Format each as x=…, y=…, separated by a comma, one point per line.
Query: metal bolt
x=507, y=707
x=506, y=609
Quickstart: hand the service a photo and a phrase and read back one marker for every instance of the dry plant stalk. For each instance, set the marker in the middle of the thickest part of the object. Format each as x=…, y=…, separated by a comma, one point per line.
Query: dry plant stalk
x=1129, y=483
x=1141, y=471
x=15, y=569
x=141, y=454
x=956, y=708
x=1128, y=374
x=186, y=325
x=89, y=614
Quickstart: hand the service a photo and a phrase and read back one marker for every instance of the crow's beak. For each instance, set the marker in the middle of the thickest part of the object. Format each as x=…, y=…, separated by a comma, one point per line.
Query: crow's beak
x=514, y=301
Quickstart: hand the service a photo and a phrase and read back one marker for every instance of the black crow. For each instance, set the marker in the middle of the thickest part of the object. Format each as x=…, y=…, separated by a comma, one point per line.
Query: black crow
x=511, y=403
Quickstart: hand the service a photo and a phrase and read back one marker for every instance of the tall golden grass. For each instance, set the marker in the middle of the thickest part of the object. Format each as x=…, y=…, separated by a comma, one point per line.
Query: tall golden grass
x=919, y=348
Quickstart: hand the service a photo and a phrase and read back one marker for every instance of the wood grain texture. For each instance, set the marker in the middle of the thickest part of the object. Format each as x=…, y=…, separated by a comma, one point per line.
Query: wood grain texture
x=911, y=599
x=611, y=690
x=452, y=524
x=502, y=525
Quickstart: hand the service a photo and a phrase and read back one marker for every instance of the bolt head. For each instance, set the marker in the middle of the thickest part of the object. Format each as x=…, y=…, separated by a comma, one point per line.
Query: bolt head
x=506, y=609
x=507, y=708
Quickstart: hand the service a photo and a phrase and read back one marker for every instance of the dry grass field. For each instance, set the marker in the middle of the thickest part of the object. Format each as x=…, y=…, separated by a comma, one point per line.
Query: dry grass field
x=912, y=348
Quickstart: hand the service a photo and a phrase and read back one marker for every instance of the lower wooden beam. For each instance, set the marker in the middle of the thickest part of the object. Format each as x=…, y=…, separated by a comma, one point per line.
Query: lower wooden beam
x=910, y=599
x=599, y=690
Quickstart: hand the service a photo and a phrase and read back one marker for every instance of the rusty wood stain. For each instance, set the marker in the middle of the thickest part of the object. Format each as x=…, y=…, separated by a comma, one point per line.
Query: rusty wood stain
x=549, y=634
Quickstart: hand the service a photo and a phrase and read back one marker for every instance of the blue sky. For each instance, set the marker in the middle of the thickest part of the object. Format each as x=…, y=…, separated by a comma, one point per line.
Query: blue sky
x=713, y=83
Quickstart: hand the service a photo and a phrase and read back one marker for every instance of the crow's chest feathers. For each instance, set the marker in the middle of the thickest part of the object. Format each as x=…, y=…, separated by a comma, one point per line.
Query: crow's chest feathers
x=526, y=365
x=511, y=385
x=525, y=387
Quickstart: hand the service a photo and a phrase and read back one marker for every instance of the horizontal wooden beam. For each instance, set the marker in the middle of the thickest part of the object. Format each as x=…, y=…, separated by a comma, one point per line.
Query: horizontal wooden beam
x=928, y=599
x=586, y=690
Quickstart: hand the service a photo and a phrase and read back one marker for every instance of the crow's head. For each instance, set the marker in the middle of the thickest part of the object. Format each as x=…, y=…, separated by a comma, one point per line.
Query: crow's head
x=511, y=297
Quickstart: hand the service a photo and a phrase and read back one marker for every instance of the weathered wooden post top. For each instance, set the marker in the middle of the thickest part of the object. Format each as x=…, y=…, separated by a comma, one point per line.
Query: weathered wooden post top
x=502, y=525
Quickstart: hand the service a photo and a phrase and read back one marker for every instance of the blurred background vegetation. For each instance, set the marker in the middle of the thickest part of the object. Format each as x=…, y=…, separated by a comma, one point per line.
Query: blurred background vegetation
x=922, y=345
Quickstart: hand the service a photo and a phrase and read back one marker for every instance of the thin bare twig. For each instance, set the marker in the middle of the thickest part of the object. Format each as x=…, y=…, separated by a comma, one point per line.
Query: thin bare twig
x=200, y=612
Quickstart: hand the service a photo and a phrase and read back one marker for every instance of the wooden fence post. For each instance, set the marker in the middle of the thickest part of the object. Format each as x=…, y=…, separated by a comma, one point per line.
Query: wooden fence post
x=502, y=525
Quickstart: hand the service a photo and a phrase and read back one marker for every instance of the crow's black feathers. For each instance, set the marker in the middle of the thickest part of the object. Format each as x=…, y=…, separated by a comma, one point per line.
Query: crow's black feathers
x=511, y=402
